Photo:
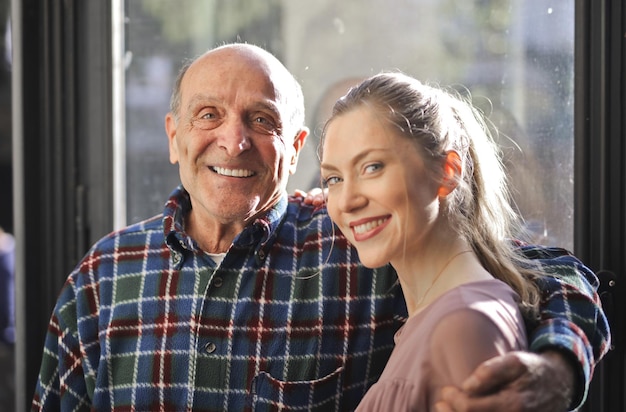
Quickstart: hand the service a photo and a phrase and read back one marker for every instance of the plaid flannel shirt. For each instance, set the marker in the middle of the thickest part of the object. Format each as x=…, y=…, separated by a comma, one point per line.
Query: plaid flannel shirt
x=288, y=321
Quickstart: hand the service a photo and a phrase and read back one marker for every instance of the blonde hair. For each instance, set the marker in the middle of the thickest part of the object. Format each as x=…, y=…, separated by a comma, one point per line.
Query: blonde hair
x=479, y=209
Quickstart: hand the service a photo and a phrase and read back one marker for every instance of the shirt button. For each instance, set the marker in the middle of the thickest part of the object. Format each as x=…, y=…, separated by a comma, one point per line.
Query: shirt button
x=210, y=347
x=261, y=254
x=176, y=258
x=218, y=281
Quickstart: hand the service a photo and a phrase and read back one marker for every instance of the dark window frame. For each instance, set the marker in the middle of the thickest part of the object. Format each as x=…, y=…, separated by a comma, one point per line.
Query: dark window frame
x=600, y=177
x=62, y=162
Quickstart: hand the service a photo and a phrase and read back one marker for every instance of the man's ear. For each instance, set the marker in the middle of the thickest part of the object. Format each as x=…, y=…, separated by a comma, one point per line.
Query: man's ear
x=170, y=130
x=298, y=143
x=452, y=169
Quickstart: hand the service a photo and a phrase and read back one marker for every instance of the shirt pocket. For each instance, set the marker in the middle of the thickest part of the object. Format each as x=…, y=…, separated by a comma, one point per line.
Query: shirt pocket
x=271, y=394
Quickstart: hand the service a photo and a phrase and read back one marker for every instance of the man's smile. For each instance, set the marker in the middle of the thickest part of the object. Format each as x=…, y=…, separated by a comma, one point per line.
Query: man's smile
x=232, y=172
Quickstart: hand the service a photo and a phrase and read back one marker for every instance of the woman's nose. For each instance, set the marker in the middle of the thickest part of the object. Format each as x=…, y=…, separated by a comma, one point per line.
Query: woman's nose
x=351, y=197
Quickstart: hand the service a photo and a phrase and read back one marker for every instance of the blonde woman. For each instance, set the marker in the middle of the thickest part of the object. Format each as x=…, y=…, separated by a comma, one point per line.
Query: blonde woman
x=414, y=179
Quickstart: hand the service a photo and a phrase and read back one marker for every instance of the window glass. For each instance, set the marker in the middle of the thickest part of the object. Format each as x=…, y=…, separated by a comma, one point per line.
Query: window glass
x=515, y=57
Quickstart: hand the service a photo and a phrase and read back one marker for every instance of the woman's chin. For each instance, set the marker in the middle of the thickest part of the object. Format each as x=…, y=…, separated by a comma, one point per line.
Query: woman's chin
x=373, y=262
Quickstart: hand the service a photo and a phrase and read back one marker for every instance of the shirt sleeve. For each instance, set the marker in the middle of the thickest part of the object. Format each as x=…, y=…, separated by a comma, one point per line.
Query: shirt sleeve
x=61, y=384
x=571, y=317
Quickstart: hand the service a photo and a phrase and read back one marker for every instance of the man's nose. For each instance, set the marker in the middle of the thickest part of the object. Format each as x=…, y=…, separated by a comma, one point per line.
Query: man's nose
x=234, y=137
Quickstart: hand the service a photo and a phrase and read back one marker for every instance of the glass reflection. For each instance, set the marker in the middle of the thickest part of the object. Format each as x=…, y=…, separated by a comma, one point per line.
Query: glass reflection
x=515, y=57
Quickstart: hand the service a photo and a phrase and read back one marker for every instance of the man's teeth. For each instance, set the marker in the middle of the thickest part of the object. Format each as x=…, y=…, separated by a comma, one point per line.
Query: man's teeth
x=233, y=172
x=368, y=226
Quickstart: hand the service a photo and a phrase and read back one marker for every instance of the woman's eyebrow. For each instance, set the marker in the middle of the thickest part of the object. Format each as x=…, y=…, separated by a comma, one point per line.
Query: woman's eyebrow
x=358, y=157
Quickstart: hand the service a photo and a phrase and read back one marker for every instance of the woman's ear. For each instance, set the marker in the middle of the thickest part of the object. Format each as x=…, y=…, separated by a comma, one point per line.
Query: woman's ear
x=452, y=168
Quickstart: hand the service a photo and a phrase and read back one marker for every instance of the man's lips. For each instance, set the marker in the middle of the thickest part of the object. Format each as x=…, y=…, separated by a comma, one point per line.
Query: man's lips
x=232, y=172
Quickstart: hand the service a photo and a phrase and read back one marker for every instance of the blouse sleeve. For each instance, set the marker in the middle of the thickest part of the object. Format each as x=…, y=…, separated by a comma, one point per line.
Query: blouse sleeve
x=461, y=342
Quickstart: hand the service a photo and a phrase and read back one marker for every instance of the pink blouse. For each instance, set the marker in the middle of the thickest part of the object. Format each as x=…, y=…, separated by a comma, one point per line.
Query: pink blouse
x=444, y=343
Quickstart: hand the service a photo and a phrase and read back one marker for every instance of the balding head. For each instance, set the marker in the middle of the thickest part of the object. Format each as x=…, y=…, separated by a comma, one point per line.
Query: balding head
x=288, y=89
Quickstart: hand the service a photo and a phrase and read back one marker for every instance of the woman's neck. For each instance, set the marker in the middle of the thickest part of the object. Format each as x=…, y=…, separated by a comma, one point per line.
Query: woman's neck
x=427, y=275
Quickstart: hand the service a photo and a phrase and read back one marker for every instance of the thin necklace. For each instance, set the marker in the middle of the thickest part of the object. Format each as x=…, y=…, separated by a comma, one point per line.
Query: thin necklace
x=439, y=274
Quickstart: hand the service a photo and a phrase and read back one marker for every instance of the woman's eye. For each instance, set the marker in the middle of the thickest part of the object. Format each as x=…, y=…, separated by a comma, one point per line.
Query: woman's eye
x=371, y=168
x=330, y=181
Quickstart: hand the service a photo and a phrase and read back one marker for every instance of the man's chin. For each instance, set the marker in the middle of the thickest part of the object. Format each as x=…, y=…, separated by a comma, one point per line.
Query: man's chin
x=228, y=206
x=240, y=210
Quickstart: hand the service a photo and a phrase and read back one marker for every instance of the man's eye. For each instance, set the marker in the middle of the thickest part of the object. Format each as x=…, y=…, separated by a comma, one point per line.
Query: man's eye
x=206, y=120
x=264, y=124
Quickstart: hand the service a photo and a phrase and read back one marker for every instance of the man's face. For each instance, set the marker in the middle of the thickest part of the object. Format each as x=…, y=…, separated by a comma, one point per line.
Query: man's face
x=229, y=139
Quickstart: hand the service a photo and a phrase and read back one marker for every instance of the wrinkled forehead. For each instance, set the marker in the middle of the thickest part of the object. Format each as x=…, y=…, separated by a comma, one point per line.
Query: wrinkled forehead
x=239, y=71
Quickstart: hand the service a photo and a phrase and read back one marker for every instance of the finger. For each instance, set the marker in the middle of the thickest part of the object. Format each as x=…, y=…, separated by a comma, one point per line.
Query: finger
x=315, y=191
x=443, y=407
x=299, y=193
x=318, y=200
x=452, y=399
x=457, y=401
x=315, y=197
x=493, y=374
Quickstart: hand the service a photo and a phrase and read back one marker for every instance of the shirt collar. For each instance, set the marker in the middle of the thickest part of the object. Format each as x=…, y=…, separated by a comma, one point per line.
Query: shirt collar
x=261, y=232
x=264, y=227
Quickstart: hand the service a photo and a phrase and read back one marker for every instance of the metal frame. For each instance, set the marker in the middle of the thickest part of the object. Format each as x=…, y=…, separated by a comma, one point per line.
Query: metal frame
x=600, y=178
x=62, y=157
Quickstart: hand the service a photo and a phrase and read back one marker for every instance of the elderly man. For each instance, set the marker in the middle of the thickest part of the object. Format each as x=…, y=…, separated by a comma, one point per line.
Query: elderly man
x=238, y=297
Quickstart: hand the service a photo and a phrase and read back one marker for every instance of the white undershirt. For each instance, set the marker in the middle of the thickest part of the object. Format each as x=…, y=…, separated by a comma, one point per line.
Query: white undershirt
x=217, y=257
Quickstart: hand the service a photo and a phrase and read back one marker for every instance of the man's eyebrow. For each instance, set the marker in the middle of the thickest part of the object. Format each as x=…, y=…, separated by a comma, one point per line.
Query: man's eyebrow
x=202, y=98
x=267, y=105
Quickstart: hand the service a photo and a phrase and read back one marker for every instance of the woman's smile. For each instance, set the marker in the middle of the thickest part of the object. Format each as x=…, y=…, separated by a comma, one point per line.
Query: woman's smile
x=364, y=229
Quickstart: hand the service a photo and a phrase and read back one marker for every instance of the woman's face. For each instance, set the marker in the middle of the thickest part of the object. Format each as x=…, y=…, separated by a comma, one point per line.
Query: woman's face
x=380, y=192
